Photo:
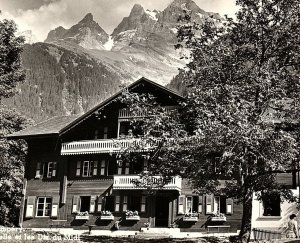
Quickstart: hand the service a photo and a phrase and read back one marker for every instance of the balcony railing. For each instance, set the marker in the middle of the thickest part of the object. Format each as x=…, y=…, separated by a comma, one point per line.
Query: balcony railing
x=126, y=113
x=130, y=182
x=105, y=146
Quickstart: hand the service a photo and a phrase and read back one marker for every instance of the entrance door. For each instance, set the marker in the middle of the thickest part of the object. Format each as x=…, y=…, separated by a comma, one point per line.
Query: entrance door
x=161, y=211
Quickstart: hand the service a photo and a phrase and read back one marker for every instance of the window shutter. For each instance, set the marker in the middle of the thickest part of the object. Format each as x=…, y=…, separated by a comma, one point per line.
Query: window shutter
x=145, y=164
x=200, y=204
x=44, y=170
x=95, y=168
x=117, y=204
x=75, y=204
x=92, y=204
x=49, y=168
x=38, y=172
x=102, y=171
x=64, y=190
x=127, y=168
x=181, y=200
x=54, y=169
x=78, y=168
x=105, y=132
x=30, y=207
x=119, y=167
x=229, y=206
x=90, y=168
x=209, y=204
x=54, y=208
x=125, y=202
x=99, y=204
x=143, y=204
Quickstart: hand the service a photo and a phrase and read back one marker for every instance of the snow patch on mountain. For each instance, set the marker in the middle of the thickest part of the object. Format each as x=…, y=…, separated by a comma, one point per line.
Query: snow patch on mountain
x=152, y=14
x=127, y=33
x=109, y=44
x=200, y=15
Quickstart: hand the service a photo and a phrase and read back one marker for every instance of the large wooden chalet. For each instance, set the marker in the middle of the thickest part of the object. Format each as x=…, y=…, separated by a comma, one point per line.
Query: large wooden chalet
x=73, y=177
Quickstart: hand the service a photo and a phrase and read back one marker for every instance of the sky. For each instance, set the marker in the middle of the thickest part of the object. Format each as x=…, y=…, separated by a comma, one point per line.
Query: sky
x=41, y=16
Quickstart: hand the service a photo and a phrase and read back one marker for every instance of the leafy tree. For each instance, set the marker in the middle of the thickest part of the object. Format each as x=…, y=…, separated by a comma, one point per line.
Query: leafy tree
x=10, y=64
x=242, y=94
x=12, y=154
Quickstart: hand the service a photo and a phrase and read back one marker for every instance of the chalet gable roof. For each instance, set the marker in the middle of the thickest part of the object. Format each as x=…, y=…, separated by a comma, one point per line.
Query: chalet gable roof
x=59, y=125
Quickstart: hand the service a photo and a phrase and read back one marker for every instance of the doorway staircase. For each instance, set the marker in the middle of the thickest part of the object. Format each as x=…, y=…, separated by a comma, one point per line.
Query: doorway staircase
x=158, y=233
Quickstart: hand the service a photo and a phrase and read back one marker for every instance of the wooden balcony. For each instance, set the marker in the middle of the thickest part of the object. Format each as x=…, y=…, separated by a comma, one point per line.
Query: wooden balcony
x=128, y=182
x=125, y=113
x=104, y=146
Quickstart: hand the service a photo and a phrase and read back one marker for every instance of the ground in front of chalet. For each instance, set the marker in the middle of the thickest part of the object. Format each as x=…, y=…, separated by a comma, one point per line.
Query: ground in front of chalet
x=28, y=236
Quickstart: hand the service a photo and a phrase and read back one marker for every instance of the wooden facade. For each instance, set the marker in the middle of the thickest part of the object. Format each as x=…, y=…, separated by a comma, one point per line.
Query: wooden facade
x=73, y=175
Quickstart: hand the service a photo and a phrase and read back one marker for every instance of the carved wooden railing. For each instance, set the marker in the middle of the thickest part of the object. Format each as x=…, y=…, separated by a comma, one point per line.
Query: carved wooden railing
x=135, y=182
x=105, y=146
x=126, y=113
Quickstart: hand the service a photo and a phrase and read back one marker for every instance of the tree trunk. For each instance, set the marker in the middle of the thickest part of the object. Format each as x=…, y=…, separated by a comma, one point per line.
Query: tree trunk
x=247, y=215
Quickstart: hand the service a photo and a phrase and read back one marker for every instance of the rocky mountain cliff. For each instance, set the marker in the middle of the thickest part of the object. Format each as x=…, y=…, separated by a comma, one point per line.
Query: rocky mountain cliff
x=77, y=68
x=87, y=34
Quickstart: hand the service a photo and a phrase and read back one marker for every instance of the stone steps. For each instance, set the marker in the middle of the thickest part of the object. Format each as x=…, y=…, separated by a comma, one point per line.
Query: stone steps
x=158, y=233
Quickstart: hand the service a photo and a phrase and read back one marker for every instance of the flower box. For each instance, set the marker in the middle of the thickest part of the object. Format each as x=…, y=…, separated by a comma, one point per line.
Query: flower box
x=82, y=217
x=190, y=219
x=218, y=218
x=107, y=217
x=133, y=217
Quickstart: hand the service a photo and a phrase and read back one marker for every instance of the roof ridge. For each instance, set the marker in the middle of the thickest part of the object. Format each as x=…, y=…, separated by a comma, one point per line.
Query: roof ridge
x=89, y=112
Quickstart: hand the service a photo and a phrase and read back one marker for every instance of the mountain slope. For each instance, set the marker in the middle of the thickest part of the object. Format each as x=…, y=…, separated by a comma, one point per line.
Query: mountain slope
x=60, y=81
x=77, y=68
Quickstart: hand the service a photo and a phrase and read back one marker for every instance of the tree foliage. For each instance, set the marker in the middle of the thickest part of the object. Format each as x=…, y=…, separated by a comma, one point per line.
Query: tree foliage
x=12, y=153
x=242, y=91
x=10, y=64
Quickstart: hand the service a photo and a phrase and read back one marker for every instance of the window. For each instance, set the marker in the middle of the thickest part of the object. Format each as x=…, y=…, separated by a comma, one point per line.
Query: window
x=134, y=203
x=111, y=167
x=119, y=163
x=45, y=170
x=85, y=204
x=109, y=203
x=191, y=204
x=124, y=128
x=95, y=167
x=271, y=205
x=87, y=168
x=43, y=206
x=51, y=172
x=103, y=166
x=220, y=204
